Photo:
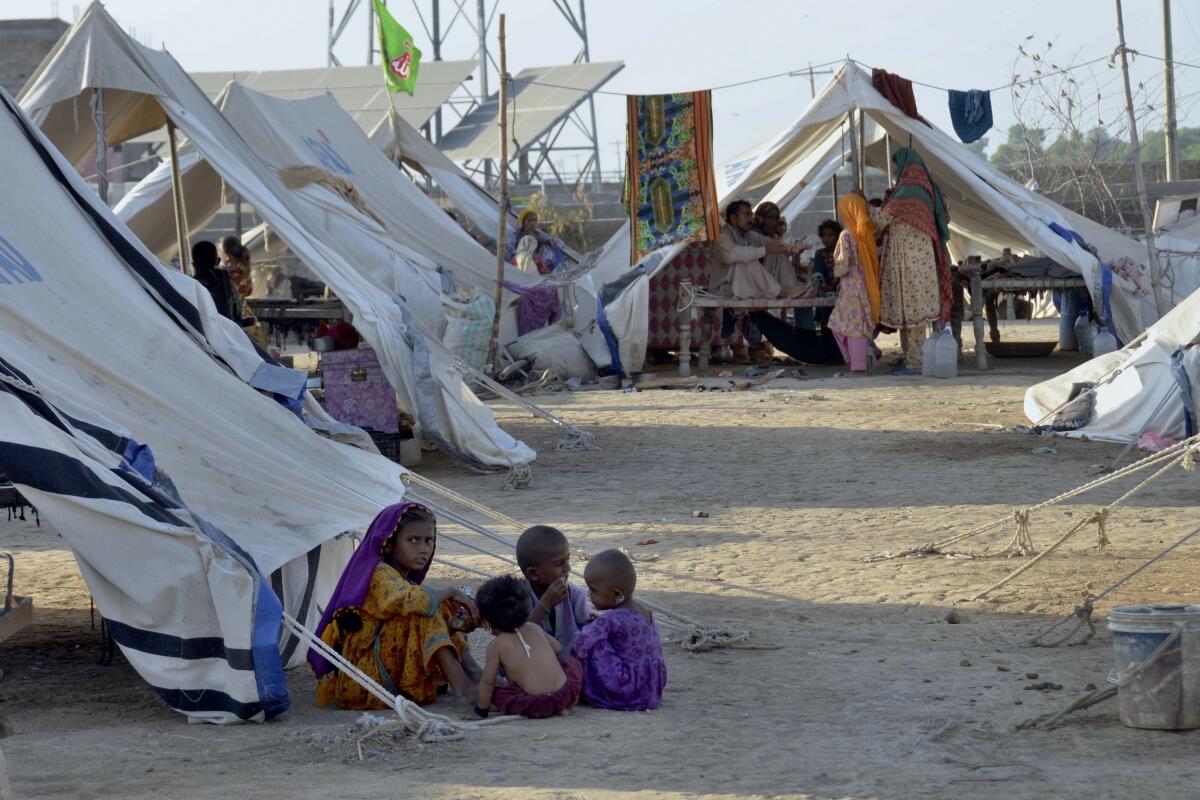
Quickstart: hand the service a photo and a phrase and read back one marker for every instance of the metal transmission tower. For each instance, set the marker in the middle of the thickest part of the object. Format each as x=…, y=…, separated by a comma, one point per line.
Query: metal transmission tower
x=439, y=18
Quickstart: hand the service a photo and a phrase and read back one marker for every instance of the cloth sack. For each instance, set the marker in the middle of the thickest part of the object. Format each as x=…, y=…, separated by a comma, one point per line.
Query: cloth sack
x=556, y=349
x=469, y=327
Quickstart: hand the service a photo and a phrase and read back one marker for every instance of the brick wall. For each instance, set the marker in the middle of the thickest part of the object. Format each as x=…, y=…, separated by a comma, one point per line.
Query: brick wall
x=23, y=45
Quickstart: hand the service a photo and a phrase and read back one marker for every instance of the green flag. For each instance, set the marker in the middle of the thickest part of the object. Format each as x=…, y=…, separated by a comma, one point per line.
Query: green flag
x=401, y=58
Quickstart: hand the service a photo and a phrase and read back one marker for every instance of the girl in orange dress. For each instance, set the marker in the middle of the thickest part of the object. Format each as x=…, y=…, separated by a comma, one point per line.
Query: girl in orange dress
x=407, y=636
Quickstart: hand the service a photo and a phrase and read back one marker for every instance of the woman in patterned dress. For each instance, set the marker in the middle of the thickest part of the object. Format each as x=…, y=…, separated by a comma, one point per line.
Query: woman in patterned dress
x=853, y=318
x=914, y=268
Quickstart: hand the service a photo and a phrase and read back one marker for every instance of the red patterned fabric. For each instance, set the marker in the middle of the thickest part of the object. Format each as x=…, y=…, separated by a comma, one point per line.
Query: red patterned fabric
x=690, y=265
x=917, y=214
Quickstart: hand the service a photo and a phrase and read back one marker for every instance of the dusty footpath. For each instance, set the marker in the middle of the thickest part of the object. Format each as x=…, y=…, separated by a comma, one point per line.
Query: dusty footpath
x=868, y=692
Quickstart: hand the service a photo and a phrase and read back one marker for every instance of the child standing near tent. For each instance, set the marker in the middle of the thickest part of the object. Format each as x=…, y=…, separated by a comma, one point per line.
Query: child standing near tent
x=544, y=556
x=537, y=683
x=854, y=317
x=405, y=635
x=621, y=652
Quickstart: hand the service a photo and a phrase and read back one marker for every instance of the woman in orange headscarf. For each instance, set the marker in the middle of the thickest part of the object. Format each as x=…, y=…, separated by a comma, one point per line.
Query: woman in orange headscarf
x=856, y=266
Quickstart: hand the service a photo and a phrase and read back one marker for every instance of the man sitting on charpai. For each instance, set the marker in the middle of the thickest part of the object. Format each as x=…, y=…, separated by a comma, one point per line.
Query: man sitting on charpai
x=738, y=271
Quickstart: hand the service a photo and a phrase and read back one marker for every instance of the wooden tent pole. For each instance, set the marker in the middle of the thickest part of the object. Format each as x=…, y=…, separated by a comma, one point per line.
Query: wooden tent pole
x=101, y=144
x=494, y=343
x=177, y=195
x=1139, y=177
x=862, y=150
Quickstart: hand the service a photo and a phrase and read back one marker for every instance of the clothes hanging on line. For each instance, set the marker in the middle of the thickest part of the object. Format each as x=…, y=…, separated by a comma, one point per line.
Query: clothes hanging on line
x=898, y=91
x=971, y=113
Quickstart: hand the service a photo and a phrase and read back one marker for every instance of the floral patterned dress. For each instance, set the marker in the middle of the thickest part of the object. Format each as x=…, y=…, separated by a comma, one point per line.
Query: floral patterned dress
x=410, y=627
x=908, y=294
x=852, y=314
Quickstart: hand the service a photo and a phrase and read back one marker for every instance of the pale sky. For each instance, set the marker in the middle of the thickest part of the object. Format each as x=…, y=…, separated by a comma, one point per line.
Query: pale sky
x=692, y=44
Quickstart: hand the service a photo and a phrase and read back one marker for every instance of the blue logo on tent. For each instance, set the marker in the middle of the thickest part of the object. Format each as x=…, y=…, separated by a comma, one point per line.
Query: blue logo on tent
x=323, y=149
x=14, y=267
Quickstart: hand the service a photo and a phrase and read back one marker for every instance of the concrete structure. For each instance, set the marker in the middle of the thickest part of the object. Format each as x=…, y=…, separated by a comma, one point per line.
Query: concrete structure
x=23, y=45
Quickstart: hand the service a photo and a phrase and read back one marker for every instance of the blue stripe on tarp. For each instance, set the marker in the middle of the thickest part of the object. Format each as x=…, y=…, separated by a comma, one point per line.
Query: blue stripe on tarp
x=207, y=700
x=168, y=646
x=141, y=458
x=1106, y=282
x=58, y=473
x=1185, y=390
x=1068, y=234
x=280, y=380
x=267, y=622
x=610, y=339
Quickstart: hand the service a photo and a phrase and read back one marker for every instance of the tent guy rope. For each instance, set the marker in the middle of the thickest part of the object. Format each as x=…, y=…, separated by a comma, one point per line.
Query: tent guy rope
x=696, y=636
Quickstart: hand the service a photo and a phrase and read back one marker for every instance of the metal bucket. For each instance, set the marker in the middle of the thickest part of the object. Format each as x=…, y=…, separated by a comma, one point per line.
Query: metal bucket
x=1156, y=650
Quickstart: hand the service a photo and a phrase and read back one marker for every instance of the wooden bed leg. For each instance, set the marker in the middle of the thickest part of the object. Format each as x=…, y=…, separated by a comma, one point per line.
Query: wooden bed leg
x=706, y=334
x=685, y=341
x=977, y=318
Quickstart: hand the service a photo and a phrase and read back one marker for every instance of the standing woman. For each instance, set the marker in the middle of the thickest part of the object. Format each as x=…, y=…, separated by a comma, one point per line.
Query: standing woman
x=235, y=259
x=915, y=268
x=856, y=267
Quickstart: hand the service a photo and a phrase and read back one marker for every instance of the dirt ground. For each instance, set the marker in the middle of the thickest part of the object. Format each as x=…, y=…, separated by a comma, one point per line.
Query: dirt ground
x=867, y=692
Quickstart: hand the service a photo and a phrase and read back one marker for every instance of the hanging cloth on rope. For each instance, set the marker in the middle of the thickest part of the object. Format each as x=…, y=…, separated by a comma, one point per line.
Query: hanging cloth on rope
x=898, y=91
x=970, y=113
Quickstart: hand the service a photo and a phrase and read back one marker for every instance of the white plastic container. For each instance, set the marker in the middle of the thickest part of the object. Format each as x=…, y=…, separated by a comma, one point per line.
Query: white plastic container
x=929, y=352
x=945, y=355
x=1083, y=335
x=1104, y=342
x=1156, y=650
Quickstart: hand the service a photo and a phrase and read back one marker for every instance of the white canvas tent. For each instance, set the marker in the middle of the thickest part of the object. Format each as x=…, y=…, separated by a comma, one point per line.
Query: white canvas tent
x=989, y=211
x=143, y=87
x=1145, y=387
x=402, y=142
x=1148, y=385
x=125, y=416
x=404, y=232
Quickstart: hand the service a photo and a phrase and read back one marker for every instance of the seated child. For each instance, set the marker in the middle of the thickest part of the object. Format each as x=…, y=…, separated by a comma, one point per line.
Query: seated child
x=558, y=607
x=392, y=625
x=539, y=685
x=621, y=653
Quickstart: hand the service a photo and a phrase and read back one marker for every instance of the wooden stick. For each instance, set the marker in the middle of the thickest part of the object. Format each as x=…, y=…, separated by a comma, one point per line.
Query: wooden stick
x=177, y=195
x=494, y=344
x=1136, y=146
x=101, y=144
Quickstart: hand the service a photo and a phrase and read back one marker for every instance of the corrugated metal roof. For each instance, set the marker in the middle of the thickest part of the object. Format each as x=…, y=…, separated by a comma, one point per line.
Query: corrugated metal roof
x=539, y=101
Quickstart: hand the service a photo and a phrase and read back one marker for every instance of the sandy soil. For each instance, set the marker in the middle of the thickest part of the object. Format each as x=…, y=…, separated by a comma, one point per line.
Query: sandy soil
x=869, y=692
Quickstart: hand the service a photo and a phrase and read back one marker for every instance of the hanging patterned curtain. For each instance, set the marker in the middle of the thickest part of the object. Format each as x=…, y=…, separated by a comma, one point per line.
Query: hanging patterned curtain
x=670, y=189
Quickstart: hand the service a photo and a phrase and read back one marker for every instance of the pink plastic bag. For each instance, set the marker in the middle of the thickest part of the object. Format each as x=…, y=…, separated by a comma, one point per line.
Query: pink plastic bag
x=1154, y=442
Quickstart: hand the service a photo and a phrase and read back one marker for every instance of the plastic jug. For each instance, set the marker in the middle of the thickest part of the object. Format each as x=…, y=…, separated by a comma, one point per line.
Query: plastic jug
x=1083, y=334
x=929, y=352
x=1104, y=342
x=945, y=363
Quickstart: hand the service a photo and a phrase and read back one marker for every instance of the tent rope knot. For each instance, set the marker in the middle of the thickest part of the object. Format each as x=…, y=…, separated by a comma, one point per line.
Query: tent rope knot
x=1022, y=542
x=576, y=440
x=519, y=477
x=1189, y=459
x=1101, y=534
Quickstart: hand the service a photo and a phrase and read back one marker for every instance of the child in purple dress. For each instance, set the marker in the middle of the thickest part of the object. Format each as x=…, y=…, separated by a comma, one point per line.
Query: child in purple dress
x=623, y=666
